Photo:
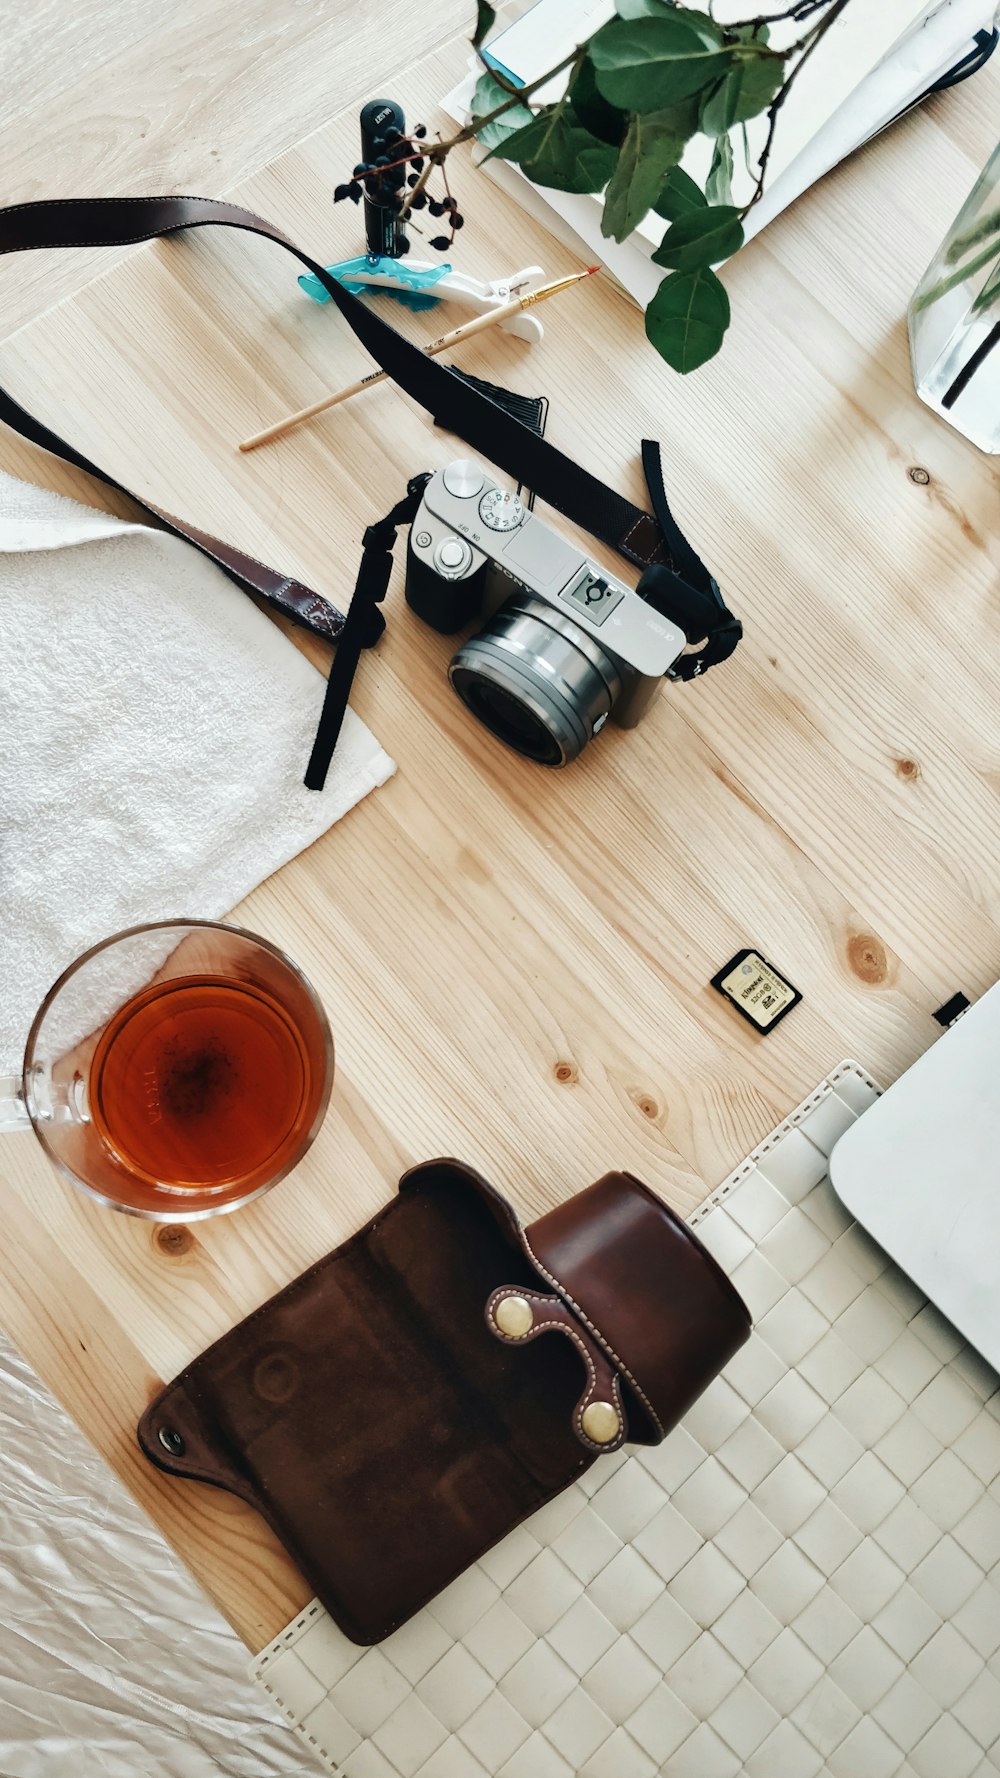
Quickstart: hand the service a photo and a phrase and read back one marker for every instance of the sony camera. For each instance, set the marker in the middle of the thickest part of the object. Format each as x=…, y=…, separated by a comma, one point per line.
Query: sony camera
x=564, y=646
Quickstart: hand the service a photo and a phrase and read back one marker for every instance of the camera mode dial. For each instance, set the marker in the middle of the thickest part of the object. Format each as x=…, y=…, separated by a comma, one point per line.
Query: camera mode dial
x=500, y=510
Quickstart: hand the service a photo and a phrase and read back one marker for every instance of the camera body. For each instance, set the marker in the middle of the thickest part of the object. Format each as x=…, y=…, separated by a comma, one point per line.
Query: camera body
x=565, y=645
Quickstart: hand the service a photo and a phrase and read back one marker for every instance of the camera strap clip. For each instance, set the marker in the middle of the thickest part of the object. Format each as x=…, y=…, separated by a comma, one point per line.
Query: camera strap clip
x=363, y=626
x=685, y=592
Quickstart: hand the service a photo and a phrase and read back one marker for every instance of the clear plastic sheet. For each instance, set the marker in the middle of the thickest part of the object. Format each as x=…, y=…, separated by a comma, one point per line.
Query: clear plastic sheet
x=113, y=1663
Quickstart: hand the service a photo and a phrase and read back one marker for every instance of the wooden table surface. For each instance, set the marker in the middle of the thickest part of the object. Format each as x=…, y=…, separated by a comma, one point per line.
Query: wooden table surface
x=516, y=962
x=178, y=95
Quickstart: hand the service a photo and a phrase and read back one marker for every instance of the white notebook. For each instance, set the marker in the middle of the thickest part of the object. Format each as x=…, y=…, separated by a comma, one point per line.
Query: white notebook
x=920, y=1173
x=879, y=57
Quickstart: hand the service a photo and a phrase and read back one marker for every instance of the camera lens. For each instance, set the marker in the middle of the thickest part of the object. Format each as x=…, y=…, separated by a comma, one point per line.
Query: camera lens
x=536, y=680
x=509, y=718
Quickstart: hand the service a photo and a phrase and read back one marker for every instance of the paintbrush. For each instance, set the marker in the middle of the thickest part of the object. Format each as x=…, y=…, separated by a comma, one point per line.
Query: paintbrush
x=444, y=344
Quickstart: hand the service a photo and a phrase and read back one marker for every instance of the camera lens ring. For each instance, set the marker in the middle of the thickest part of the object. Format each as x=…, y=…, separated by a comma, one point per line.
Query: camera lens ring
x=503, y=700
x=536, y=681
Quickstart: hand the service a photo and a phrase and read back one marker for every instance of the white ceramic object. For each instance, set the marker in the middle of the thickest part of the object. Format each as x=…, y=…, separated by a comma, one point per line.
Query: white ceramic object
x=919, y=1171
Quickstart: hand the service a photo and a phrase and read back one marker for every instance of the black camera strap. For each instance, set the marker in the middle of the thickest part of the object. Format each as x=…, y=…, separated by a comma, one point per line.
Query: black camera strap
x=644, y=538
x=685, y=591
x=362, y=626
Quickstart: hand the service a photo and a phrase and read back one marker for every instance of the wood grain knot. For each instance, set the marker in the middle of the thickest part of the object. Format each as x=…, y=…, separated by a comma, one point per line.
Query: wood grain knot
x=173, y=1239
x=473, y=867
x=644, y=1102
x=566, y=1072
x=866, y=956
x=919, y=475
x=908, y=769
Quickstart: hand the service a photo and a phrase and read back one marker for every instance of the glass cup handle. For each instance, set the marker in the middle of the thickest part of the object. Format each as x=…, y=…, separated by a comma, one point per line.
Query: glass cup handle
x=59, y=1102
x=13, y=1111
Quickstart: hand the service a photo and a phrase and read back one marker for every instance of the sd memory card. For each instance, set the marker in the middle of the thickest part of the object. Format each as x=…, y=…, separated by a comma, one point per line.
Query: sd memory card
x=756, y=989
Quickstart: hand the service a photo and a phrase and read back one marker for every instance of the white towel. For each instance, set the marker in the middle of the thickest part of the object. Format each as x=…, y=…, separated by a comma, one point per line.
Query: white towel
x=154, y=729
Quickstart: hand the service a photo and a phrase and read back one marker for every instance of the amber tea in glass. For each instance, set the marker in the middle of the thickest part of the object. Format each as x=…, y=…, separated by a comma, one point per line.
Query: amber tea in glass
x=179, y=1070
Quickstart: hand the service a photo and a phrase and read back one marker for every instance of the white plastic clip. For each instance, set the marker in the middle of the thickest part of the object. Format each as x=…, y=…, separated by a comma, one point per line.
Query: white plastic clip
x=419, y=278
x=480, y=294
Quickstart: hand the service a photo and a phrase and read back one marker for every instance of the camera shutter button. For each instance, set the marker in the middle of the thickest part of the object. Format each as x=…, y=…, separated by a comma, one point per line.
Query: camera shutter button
x=452, y=556
x=464, y=479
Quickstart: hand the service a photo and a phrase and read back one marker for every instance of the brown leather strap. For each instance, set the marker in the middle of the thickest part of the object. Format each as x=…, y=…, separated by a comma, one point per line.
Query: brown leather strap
x=288, y=596
x=101, y=223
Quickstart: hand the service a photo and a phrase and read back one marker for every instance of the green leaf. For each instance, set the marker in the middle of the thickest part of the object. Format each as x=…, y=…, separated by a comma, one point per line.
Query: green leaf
x=749, y=33
x=743, y=92
x=649, y=148
x=683, y=115
x=702, y=237
x=719, y=184
x=681, y=118
x=485, y=20
x=553, y=149
x=604, y=121
x=655, y=9
x=647, y=64
x=679, y=196
x=687, y=318
x=487, y=96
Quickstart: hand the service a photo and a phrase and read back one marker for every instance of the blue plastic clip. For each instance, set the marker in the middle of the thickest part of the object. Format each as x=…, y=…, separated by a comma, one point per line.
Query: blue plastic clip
x=409, y=284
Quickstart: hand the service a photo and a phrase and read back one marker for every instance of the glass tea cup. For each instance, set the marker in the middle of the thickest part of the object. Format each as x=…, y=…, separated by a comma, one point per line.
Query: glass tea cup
x=176, y=1071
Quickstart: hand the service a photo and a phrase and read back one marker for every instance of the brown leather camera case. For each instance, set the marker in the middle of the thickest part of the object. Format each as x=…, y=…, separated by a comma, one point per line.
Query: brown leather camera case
x=379, y=1413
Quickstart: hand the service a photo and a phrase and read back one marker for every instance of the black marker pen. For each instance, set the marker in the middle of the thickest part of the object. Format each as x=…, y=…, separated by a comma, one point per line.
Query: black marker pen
x=383, y=231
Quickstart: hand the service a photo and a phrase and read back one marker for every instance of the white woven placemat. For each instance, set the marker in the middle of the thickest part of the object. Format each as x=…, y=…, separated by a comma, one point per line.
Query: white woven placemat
x=803, y=1579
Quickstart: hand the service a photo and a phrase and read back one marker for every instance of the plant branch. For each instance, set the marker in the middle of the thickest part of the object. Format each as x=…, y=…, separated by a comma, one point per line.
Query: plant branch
x=980, y=231
x=503, y=80
x=964, y=271
x=989, y=292
x=812, y=40
x=517, y=97
x=798, y=13
x=425, y=172
x=439, y=151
